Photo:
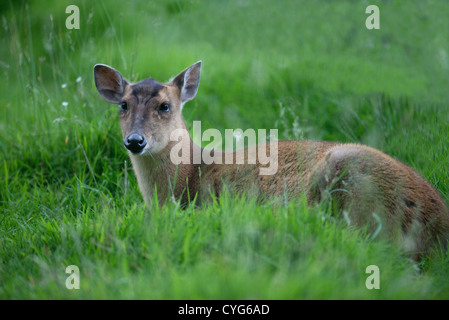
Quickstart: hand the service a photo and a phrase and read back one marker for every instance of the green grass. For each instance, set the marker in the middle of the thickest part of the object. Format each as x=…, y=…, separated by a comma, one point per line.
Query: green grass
x=311, y=70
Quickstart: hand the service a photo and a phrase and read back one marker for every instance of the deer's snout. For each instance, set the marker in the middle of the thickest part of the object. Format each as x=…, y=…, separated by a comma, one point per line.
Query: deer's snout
x=135, y=143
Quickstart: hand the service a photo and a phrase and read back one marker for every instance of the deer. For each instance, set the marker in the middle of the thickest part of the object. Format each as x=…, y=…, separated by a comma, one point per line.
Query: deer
x=369, y=187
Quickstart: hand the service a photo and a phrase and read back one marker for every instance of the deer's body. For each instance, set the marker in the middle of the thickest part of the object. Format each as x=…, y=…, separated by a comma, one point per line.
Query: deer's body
x=365, y=183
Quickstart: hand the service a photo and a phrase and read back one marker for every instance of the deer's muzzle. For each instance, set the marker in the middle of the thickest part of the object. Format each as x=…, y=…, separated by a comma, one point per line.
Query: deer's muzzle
x=135, y=143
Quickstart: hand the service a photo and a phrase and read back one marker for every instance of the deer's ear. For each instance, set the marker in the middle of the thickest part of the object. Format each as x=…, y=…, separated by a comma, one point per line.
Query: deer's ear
x=188, y=82
x=109, y=82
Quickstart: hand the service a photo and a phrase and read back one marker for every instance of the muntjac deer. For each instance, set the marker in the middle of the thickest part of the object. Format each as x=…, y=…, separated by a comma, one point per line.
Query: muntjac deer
x=366, y=184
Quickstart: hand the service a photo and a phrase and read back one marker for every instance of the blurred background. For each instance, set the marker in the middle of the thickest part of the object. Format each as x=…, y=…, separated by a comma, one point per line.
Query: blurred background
x=308, y=68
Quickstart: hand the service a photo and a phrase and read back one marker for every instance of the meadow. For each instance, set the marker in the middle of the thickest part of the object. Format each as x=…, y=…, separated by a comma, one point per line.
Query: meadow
x=310, y=69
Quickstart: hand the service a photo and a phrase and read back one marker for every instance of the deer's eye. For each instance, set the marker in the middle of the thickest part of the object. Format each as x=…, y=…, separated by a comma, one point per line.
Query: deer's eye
x=123, y=105
x=165, y=107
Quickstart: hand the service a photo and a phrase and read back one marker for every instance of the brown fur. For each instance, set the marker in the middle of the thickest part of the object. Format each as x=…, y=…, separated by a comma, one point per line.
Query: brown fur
x=363, y=183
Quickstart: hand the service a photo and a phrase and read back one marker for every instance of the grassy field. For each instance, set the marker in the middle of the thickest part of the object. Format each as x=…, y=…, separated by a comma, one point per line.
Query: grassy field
x=311, y=69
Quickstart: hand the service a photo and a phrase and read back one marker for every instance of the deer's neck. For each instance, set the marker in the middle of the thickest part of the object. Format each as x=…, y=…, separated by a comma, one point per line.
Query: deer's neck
x=158, y=172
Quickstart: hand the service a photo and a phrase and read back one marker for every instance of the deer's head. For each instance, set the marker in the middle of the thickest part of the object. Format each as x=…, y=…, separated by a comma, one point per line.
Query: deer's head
x=149, y=110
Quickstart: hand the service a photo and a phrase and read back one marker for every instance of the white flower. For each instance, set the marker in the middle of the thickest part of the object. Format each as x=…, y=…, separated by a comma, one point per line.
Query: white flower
x=59, y=120
x=63, y=85
x=65, y=103
x=79, y=79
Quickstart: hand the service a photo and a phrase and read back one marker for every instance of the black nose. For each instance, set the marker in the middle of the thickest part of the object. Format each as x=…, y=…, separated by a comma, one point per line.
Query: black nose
x=135, y=143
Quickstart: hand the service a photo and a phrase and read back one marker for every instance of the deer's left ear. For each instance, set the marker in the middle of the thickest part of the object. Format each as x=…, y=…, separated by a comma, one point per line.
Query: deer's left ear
x=109, y=82
x=188, y=82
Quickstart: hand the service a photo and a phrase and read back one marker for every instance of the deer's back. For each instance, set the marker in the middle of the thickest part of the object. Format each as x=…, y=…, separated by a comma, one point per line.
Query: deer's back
x=358, y=179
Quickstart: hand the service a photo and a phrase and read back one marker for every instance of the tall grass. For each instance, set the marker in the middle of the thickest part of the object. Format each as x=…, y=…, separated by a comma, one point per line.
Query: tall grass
x=312, y=70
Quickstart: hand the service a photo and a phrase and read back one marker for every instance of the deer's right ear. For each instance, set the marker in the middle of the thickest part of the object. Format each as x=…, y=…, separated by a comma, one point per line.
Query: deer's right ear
x=188, y=82
x=109, y=82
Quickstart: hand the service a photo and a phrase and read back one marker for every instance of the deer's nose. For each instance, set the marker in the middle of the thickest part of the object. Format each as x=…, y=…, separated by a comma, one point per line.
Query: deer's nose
x=135, y=143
